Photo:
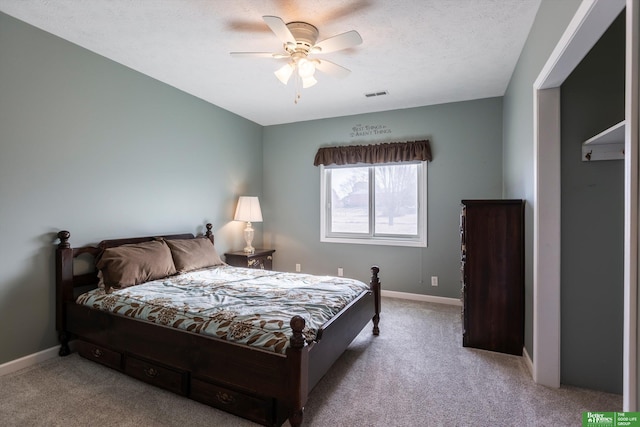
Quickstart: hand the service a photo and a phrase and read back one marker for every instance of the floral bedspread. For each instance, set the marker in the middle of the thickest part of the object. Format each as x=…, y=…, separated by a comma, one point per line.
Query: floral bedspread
x=247, y=306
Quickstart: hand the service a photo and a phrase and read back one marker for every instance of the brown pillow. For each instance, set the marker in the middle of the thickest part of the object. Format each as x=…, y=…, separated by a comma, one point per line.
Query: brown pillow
x=129, y=265
x=191, y=254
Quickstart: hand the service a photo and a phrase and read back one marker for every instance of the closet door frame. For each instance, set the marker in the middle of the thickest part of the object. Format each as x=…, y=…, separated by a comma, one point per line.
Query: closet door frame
x=590, y=21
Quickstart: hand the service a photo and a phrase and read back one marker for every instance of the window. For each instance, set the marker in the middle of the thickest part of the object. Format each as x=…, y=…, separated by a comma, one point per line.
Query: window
x=374, y=204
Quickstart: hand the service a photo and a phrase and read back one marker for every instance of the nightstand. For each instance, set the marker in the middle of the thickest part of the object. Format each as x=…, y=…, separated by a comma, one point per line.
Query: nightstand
x=261, y=259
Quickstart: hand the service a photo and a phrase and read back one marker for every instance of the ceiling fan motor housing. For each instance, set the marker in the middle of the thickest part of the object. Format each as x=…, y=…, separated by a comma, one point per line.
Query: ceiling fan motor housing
x=306, y=36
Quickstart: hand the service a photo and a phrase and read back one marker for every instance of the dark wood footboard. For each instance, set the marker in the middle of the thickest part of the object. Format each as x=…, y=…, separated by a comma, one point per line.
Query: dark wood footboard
x=256, y=384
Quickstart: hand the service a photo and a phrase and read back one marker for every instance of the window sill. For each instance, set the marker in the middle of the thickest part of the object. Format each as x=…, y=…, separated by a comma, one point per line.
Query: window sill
x=376, y=241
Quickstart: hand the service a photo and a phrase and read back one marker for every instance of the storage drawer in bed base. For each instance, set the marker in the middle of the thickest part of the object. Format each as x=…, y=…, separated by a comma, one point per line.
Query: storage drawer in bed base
x=150, y=372
x=157, y=375
x=255, y=408
x=99, y=354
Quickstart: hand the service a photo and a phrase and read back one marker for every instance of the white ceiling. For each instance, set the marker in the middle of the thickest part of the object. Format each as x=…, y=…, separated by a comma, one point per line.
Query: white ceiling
x=423, y=52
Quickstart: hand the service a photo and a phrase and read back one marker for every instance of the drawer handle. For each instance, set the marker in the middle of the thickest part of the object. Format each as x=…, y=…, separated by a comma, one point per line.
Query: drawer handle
x=150, y=372
x=97, y=353
x=225, y=398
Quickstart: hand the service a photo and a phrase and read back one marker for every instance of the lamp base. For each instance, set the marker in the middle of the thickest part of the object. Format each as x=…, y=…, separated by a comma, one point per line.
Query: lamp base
x=248, y=238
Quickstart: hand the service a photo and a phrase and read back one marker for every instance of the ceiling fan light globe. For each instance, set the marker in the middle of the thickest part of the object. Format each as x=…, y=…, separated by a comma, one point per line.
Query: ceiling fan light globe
x=307, y=82
x=306, y=68
x=284, y=73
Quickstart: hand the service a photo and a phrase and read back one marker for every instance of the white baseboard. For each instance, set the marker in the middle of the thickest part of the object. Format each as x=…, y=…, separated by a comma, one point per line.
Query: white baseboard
x=421, y=297
x=29, y=360
x=528, y=360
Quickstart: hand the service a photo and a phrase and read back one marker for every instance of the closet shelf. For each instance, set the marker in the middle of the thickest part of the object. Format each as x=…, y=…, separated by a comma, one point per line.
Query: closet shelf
x=607, y=145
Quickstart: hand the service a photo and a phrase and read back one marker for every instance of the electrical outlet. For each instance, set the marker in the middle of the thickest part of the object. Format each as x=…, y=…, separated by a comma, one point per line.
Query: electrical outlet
x=434, y=280
x=297, y=268
x=340, y=272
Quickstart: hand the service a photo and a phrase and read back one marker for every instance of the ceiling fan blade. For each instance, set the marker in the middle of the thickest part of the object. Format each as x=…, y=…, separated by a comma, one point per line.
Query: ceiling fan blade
x=246, y=26
x=331, y=68
x=260, y=54
x=280, y=29
x=353, y=8
x=338, y=42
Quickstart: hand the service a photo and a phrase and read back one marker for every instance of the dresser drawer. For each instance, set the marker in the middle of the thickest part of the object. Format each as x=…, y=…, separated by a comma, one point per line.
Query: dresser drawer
x=252, y=407
x=99, y=354
x=160, y=376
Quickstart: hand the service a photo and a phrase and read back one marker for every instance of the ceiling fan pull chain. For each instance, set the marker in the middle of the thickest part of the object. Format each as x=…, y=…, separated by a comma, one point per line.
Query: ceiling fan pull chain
x=297, y=87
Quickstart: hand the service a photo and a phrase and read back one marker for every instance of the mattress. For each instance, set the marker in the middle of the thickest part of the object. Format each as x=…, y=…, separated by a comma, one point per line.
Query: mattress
x=242, y=305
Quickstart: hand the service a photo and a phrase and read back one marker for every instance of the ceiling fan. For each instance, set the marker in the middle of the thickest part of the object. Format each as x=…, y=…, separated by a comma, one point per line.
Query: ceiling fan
x=300, y=42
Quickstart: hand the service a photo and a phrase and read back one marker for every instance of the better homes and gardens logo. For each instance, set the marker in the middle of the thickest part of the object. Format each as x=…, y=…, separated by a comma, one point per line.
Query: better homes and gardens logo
x=610, y=419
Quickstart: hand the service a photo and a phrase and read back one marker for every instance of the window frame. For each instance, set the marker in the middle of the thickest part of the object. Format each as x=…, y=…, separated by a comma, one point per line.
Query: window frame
x=419, y=240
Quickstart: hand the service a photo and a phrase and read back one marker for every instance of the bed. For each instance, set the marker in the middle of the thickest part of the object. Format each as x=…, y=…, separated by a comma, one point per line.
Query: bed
x=264, y=378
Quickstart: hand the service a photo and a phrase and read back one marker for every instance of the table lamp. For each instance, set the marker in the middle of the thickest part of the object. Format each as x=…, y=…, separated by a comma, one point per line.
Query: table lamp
x=248, y=210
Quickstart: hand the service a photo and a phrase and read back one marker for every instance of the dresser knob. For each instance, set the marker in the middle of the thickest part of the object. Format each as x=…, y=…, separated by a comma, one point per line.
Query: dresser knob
x=97, y=353
x=150, y=372
x=225, y=398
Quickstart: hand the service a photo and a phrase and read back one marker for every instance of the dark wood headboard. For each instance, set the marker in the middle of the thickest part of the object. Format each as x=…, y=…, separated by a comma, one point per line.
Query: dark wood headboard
x=67, y=281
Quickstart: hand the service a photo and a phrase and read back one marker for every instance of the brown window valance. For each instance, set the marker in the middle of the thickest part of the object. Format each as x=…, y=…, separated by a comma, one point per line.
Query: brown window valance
x=378, y=153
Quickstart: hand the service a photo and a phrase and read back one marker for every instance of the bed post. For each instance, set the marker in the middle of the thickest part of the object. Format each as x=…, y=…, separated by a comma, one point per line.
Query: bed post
x=375, y=288
x=209, y=233
x=64, y=288
x=298, y=355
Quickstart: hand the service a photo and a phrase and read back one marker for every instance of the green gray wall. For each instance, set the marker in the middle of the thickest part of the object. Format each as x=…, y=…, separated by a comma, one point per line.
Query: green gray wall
x=93, y=147
x=466, y=140
x=551, y=21
x=592, y=220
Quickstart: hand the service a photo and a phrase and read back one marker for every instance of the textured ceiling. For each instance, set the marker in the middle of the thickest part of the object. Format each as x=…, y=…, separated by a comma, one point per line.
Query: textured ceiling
x=423, y=52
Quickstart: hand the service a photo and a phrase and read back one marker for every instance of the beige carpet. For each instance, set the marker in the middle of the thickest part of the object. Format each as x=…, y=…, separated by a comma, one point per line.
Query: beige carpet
x=416, y=373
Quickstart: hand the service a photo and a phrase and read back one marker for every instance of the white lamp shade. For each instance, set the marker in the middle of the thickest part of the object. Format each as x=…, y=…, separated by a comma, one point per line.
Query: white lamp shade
x=308, y=82
x=248, y=209
x=283, y=74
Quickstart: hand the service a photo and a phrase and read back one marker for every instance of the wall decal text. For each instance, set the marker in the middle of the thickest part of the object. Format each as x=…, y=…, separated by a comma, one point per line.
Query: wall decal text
x=369, y=130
